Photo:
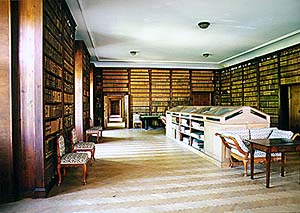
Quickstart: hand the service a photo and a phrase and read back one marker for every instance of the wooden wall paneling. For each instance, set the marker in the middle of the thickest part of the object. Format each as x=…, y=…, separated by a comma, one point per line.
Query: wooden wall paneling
x=160, y=91
x=180, y=87
x=31, y=96
x=269, y=87
x=6, y=142
x=91, y=89
x=82, y=85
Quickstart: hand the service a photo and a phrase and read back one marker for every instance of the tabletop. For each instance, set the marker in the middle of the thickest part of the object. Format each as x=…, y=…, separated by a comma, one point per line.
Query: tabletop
x=275, y=142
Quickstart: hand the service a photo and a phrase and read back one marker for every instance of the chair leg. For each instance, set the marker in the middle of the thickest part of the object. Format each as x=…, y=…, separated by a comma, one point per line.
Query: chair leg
x=65, y=171
x=84, y=173
x=59, y=175
x=245, y=167
x=93, y=154
x=231, y=162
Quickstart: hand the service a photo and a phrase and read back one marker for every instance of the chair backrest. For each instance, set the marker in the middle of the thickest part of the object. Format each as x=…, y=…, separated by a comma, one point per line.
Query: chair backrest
x=230, y=142
x=74, y=138
x=163, y=120
x=61, y=149
x=136, y=117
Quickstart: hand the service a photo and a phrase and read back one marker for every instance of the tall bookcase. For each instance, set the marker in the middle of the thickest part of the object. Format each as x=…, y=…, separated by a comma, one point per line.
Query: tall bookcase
x=160, y=91
x=250, y=85
x=46, y=75
x=269, y=87
x=98, y=97
x=68, y=75
x=180, y=87
x=140, y=91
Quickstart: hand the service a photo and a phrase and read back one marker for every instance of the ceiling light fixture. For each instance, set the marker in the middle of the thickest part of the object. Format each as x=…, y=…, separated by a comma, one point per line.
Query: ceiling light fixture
x=206, y=55
x=203, y=24
x=133, y=52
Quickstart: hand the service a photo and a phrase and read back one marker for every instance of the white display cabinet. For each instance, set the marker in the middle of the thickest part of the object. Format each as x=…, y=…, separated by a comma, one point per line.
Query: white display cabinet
x=196, y=126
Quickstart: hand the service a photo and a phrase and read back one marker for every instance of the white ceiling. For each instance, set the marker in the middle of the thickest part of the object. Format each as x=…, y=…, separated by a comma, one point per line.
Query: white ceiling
x=165, y=32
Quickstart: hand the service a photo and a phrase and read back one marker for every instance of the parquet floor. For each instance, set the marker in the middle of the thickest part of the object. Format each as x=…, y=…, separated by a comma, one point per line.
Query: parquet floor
x=143, y=171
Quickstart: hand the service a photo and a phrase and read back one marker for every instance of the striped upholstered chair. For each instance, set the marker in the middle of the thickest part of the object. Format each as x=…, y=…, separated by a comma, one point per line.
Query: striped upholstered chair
x=65, y=160
x=81, y=146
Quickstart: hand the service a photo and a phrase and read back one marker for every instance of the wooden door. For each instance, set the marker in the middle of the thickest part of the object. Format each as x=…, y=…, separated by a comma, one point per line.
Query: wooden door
x=201, y=99
x=295, y=107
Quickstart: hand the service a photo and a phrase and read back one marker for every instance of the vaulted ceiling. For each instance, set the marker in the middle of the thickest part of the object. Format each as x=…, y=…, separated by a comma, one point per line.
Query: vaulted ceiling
x=165, y=33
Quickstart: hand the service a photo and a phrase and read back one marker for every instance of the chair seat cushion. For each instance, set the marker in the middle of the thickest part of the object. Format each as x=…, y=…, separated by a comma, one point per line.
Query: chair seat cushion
x=84, y=145
x=257, y=154
x=74, y=158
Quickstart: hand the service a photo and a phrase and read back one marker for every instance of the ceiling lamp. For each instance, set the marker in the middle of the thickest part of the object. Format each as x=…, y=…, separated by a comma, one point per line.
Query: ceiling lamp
x=133, y=52
x=206, y=55
x=203, y=24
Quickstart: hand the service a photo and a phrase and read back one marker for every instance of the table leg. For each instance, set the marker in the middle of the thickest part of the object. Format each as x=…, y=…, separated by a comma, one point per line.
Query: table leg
x=282, y=163
x=268, y=159
x=146, y=124
x=252, y=161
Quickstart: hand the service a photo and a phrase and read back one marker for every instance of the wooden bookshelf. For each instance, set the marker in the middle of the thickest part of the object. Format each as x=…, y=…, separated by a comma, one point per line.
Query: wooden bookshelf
x=250, y=83
x=160, y=91
x=47, y=85
x=290, y=65
x=115, y=81
x=269, y=87
x=140, y=91
x=237, y=86
x=180, y=87
x=202, y=81
x=98, y=97
x=68, y=75
x=225, y=89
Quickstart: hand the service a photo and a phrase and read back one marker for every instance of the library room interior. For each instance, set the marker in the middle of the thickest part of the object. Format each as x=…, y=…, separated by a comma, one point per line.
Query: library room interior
x=150, y=106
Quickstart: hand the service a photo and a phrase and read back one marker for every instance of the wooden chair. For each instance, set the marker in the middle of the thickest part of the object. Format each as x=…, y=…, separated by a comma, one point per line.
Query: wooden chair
x=239, y=151
x=163, y=120
x=65, y=160
x=136, y=121
x=94, y=131
x=80, y=146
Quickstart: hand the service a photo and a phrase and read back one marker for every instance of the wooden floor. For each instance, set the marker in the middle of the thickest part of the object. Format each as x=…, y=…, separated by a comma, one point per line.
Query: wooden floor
x=143, y=171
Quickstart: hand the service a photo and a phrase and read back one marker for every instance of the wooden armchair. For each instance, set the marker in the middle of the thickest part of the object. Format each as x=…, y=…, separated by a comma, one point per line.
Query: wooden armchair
x=65, y=160
x=239, y=151
x=80, y=146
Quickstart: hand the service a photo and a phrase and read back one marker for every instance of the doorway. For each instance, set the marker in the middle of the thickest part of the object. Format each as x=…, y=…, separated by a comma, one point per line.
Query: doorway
x=115, y=110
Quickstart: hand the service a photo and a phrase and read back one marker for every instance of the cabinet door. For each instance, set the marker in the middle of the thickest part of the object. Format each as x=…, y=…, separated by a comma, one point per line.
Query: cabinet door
x=201, y=99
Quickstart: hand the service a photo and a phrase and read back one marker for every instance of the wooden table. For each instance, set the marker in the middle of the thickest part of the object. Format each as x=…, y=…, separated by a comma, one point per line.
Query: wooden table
x=147, y=119
x=269, y=146
x=96, y=130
